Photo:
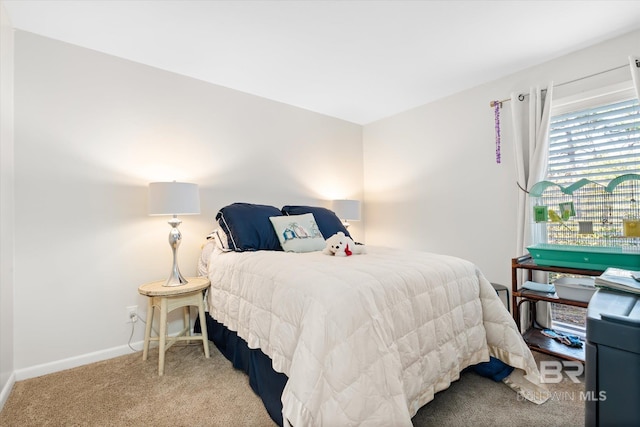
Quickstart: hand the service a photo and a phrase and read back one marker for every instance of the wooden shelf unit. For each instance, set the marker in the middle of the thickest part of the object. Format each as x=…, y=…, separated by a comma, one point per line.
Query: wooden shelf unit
x=532, y=336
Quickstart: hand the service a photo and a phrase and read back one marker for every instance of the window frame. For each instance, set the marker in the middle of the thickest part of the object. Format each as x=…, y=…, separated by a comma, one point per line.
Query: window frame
x=604, y=95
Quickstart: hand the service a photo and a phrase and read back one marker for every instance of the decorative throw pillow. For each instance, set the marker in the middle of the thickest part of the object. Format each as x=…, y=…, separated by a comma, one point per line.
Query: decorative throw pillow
x=298, y=233
x=328, y=222
x=247, y=227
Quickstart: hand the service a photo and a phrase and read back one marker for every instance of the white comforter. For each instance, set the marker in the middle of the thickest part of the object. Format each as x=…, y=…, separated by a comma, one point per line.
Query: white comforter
x=366, y=339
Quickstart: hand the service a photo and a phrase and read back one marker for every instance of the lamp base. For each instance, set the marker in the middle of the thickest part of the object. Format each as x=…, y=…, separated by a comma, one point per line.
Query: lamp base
x=176, y=281
x=175, y=278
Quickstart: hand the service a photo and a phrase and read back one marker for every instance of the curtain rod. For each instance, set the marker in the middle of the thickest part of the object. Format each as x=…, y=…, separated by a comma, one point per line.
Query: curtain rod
x=492, y=104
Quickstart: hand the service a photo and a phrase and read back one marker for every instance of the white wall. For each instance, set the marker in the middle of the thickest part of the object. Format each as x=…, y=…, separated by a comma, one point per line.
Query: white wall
x=6, y=206
x=431, y=179
x=91, y=131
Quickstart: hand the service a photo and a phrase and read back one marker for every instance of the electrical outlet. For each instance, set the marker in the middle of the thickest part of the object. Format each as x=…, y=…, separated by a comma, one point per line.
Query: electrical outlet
x=132, y=314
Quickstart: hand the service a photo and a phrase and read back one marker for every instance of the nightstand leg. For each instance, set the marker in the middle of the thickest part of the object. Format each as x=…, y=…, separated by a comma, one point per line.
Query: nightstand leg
x=187, y=321
x=203, y=328
x=147, y=329
x=163, y=335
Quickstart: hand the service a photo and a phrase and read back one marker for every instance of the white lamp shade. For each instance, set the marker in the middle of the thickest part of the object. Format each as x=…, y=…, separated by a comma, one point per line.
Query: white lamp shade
x=173, y=198
x=347, y=209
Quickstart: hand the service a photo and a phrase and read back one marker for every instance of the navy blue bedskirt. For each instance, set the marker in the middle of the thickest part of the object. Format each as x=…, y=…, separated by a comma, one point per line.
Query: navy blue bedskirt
x=265, y=382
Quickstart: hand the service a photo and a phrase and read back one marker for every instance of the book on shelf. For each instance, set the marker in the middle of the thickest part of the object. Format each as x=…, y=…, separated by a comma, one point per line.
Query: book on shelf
x=539, y=287
x=619, y=279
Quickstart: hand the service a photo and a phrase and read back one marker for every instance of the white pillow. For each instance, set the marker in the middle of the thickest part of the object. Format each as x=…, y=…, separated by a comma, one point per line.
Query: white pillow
x=220, y=239
x=298, y=233
x=205, y=254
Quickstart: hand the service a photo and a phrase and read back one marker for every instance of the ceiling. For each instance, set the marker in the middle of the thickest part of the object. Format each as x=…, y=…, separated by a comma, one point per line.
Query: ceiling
x=356, y=60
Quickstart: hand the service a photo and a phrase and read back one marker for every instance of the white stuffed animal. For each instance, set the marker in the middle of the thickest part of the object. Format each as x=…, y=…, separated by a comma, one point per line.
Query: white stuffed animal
x=341, y=245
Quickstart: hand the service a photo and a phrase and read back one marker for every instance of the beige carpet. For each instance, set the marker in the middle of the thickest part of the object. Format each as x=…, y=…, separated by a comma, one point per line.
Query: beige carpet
x=195, y=391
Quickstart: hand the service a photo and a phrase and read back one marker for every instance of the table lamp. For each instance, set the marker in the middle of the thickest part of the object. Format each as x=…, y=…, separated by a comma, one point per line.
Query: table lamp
x=346, y=210
x=174, y=198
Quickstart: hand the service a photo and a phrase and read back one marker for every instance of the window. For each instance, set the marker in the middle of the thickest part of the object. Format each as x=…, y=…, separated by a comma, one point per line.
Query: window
x=595, y=138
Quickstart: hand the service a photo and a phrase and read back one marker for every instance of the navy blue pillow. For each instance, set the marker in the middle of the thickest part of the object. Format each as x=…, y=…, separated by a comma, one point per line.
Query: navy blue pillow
x=495, y=369
x=248, y=227
x=328, y=222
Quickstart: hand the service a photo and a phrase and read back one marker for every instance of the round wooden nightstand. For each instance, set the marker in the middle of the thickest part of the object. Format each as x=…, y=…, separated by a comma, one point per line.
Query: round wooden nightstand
x=168, y=298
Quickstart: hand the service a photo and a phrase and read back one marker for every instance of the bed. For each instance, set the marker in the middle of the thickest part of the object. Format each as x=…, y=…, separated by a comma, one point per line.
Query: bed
x=359, y=340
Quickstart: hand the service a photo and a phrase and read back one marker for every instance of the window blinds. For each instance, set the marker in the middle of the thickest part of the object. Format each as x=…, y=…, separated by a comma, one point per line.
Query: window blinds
x=596, y=143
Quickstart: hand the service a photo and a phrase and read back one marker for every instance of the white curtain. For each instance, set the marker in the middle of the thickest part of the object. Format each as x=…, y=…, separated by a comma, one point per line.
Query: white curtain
x=634, y=63
x=531, y=116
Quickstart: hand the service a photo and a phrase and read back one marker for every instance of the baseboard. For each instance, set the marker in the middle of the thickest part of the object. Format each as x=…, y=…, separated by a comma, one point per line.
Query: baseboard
x=6, y=390
x=74, y=362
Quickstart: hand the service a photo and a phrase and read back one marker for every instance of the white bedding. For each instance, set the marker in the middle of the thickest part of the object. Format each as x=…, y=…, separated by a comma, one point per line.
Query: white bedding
x=366, y=339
